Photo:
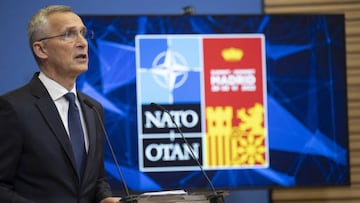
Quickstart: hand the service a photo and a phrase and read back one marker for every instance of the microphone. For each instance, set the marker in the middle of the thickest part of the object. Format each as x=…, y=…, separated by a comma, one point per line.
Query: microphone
x=216, y=197
x=129, y=198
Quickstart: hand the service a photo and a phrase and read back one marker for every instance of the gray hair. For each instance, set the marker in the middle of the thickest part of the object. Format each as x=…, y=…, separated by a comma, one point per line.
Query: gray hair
x=38, y=24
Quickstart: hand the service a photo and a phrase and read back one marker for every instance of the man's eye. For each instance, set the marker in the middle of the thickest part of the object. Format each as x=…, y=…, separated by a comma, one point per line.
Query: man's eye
x=70, y=34
x=83, y=33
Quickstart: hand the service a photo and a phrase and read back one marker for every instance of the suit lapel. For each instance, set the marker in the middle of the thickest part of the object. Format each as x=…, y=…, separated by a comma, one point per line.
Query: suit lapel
x=51, y=116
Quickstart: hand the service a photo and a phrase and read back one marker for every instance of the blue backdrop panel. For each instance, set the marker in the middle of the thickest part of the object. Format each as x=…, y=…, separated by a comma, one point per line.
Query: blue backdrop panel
x=306, y=97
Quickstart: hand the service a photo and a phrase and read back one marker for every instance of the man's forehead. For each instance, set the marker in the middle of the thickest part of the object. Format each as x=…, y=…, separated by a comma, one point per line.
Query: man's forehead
x=65, y=20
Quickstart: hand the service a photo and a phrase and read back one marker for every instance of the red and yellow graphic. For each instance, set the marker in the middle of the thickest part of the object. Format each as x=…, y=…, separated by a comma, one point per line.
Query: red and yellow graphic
x=236, y=131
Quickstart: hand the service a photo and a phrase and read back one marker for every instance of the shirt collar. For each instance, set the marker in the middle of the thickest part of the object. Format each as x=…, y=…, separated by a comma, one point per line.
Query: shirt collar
x=55, y=90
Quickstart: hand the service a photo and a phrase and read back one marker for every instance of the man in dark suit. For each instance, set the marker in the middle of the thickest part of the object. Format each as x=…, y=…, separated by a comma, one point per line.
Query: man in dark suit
x=39, y=159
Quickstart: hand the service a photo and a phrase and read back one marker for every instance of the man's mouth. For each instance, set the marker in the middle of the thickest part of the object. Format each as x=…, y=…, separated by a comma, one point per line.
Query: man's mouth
x=81, y=57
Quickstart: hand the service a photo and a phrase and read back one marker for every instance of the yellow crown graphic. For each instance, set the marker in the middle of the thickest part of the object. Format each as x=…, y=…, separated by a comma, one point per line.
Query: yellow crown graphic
x=232, y=54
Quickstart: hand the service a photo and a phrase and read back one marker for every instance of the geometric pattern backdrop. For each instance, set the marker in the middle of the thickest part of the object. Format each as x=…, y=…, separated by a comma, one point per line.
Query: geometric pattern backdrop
x=306, y=97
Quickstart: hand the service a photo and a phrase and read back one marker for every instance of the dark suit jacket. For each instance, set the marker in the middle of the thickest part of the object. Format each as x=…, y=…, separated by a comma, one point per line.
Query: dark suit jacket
x=36, y=159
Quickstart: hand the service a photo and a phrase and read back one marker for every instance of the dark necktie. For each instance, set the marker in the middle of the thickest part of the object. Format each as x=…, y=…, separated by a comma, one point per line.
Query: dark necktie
x=76, y=133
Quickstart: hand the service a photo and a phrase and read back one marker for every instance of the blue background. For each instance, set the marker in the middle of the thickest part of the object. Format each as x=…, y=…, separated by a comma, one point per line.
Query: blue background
x=17, y=60
x=306, y=97
x=18, y=65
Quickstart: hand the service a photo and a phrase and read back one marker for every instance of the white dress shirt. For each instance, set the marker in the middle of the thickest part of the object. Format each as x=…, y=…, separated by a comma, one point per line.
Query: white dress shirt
x=57, y=93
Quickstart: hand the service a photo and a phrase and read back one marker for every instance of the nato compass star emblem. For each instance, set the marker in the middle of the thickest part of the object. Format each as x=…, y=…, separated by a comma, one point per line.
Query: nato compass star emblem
x=170, y=70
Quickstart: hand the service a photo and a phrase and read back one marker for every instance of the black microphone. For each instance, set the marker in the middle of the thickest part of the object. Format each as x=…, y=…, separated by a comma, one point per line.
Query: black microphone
x=129, y=198
x=216, y=197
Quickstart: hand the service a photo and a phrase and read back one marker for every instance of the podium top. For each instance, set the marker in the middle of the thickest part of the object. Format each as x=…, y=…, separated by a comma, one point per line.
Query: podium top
x=180, y=196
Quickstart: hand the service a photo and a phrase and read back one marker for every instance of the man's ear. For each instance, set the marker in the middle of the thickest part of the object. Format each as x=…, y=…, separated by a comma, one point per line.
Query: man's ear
x=39, y=50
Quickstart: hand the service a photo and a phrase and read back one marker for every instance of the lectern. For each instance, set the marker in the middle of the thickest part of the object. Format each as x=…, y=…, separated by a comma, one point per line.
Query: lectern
x=177, y=196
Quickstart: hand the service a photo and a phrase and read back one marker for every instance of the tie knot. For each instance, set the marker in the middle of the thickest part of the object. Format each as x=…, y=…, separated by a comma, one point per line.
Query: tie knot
x=70, y=97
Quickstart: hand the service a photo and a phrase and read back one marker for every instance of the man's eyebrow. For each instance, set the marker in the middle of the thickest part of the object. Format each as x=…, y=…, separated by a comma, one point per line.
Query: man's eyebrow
x=74, y=28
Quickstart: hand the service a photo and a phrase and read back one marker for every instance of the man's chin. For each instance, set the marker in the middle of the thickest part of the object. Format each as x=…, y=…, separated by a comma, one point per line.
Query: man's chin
x=83, y=68
x=80, y=70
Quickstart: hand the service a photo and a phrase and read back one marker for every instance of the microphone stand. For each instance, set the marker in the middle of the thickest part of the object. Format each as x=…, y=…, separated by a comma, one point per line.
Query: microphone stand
x=216, y=197
x=129, y=198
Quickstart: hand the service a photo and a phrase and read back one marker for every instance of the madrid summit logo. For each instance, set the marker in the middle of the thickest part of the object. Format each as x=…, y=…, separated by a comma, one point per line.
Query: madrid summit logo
x=213, y=88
